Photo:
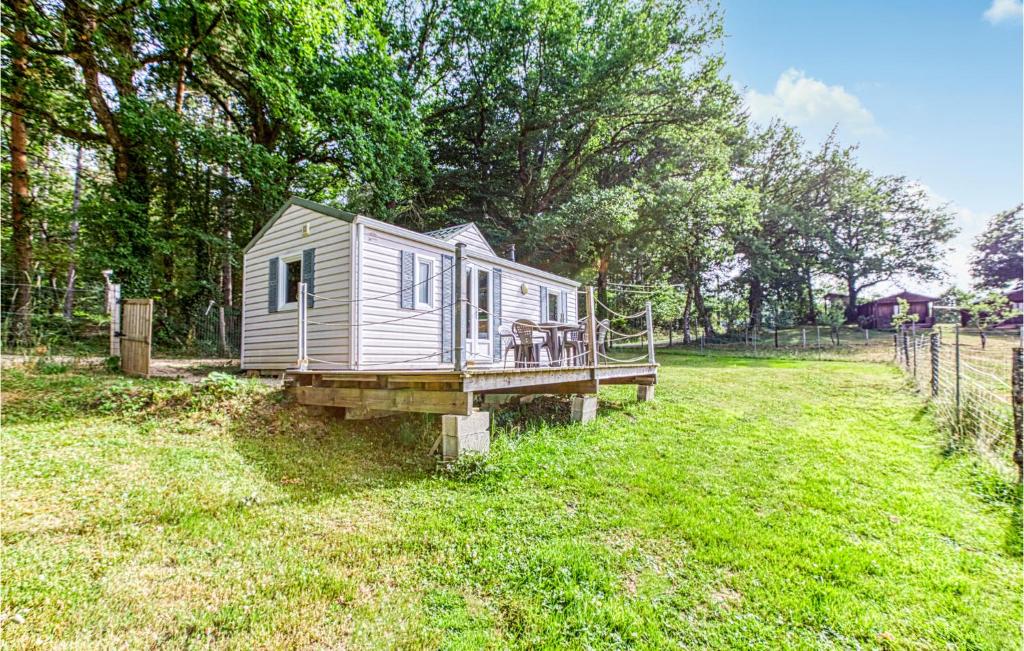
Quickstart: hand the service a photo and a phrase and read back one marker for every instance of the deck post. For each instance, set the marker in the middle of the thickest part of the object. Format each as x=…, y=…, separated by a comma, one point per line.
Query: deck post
x=591, y=329
x=460, y=312
x=300, y=312
x=650, y=334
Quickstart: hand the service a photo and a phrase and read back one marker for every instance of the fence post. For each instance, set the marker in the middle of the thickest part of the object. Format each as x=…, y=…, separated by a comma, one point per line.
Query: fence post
x=300, y=312
x=113, y=300
x=803, y=336
x=592, y=329
x=701, y=343
x=914, y=337
x=222, y=325
x=956, y=351
x=460, y=327
x=817, y=336
x=935, y=350
x=906, y=348
x=650, y=333
x=1018, y=411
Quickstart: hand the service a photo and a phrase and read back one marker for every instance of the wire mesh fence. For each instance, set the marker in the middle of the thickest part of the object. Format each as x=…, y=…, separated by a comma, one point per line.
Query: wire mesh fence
x=72, y=322
x=77, y=324
x=807, y=342
x=969, y=378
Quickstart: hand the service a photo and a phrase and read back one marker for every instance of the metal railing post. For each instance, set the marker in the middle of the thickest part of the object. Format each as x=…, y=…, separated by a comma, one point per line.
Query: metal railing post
x=935, y=350
x=460, y=312
x=650, y=333
x=301, y=338
x=591, y=328
x=1017, y=385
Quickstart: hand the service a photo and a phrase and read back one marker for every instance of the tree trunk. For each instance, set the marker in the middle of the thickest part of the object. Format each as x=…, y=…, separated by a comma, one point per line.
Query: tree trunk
x=755, y=301
x=851, y=302
x=812, y=310
x=687, y=308
x=21, y=229
x=702, y=313
x=602, y=286
x=76, y=201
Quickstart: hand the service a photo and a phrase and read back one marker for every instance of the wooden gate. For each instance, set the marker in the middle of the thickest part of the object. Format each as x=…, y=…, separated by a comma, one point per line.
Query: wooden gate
x=136, y=335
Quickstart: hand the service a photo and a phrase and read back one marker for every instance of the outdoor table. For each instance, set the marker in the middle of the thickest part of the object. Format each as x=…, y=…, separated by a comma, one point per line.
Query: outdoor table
x=555, y=332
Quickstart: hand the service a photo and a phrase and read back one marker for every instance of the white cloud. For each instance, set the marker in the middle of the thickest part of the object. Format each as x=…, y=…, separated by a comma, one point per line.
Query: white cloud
x=1004, y=10
x=812, y=105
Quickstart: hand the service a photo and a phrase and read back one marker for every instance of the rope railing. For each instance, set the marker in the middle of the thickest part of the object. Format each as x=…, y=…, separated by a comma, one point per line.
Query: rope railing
x=462, y=352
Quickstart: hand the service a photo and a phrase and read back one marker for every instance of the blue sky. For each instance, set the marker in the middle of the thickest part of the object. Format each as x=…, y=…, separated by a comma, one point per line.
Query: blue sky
x=932, y=90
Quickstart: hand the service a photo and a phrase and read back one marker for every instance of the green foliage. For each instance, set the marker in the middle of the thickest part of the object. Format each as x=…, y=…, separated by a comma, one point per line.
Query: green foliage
x=997, y=261
x=469, y=467
x=903, y=316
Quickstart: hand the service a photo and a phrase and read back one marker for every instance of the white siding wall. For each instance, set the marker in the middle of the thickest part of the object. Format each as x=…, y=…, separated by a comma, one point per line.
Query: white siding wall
x=516, y=305
x=388, y=345
x=391, y=345
x=269, y=339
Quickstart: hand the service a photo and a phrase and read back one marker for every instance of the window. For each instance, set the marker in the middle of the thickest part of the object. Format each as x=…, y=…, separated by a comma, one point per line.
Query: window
x=483, y=304
x=424, y=283
x=896, y=309
x=552, y=305
x=291, y=276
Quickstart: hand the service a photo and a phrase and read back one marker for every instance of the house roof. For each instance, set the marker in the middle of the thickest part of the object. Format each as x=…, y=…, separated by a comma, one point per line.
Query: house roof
x=304, y=203
x=452, y=233
x=1016, y=295
x=909, y=297
x=449, y=232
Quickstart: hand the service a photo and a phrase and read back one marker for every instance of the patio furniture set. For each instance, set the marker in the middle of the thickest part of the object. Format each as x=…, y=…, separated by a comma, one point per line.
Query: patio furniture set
x=565, y=343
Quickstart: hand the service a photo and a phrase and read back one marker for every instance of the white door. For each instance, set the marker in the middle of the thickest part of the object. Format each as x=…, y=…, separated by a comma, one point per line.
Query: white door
x=478, y=317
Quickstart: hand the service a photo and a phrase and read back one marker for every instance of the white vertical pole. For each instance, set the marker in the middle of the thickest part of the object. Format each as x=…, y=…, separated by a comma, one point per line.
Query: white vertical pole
x=115, y=319
x=460, y=308
x=650, y=333
x=301, y=338
x=591, y=328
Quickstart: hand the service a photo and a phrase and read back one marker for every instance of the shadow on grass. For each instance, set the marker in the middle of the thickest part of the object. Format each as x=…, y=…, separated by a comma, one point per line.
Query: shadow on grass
x=1014, y=544
x=315, y=455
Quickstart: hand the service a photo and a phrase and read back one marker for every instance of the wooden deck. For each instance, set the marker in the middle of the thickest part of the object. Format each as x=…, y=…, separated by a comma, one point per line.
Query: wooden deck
x=373, y=392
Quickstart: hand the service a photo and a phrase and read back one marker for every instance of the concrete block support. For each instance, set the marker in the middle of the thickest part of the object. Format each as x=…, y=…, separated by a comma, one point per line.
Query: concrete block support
x=462, y=434
x=584, y=408
x=645, y=393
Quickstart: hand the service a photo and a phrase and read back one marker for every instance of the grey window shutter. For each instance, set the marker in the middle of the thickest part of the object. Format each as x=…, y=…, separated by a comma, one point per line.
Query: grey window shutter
x=543, y=303
x=447, y=307
x=272, y=291
x=407, y=280
x=308, y=274
x=563, y=305
x=496, y=314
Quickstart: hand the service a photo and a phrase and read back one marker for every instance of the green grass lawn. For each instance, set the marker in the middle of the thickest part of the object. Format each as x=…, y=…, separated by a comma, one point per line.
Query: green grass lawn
x=755, y=503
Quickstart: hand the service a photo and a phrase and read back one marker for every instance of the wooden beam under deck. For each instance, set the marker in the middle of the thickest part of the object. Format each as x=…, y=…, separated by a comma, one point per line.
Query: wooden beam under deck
x=451, y=392
x=415, y=400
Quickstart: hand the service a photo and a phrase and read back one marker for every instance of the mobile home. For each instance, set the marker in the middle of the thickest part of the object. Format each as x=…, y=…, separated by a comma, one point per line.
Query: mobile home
x=381, y=296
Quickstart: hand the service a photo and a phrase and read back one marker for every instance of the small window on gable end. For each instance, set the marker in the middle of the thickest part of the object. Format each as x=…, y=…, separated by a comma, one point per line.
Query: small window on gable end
x=424, y=283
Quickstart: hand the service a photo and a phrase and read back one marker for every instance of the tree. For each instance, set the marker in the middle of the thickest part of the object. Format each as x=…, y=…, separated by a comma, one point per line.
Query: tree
x=875, y=229
x=985, y=310
x=998, y=258
x=21, y=230
x=527, y=103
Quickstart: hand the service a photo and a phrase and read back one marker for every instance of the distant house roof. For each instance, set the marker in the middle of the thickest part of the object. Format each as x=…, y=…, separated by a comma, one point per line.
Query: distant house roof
x=909, y=297
x=1016, y=296
x=835, y=295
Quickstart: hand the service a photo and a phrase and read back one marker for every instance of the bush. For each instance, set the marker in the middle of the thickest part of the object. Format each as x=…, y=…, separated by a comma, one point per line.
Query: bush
x=470, y=467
